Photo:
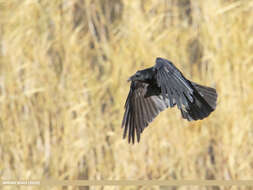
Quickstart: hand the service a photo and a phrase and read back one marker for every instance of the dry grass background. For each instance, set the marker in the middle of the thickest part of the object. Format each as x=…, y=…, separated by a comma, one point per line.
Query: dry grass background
x=63, y=71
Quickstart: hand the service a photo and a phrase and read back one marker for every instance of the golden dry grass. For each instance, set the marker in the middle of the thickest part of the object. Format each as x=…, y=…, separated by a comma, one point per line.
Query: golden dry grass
x=63, y=71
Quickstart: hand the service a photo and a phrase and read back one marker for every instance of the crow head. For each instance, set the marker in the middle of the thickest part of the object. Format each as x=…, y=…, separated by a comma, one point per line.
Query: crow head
x=143, y=75
x=136, y=77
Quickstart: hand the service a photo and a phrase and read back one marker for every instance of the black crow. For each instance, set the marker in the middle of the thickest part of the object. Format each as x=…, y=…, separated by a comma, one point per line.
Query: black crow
x=156, y=88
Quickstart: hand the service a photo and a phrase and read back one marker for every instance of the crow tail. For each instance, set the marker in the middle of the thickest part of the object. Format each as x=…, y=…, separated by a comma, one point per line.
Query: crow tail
x=204, y=102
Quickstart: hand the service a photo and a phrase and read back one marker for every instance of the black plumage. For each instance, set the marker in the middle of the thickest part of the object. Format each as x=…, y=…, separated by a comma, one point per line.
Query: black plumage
x=157, y=88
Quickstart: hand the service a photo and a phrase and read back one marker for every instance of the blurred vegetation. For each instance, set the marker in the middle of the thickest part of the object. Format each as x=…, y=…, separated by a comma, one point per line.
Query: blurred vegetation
x=63, y=71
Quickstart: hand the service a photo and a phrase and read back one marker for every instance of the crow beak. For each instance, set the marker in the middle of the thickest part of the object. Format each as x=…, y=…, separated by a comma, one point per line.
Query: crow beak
x=130, y=79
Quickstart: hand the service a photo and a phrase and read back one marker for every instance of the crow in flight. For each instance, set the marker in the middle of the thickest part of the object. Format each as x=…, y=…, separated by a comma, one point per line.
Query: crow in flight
x=156, y=88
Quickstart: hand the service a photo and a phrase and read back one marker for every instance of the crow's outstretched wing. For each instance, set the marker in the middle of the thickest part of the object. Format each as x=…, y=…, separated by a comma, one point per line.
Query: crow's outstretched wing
x=143, y=104
x=173, y=84
x=194, y=101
